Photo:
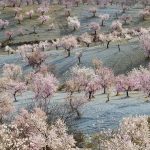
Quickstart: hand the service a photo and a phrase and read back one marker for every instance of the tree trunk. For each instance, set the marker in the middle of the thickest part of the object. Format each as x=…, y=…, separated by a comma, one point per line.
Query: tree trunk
x=119, y=47
x=108, y=98
x=68, y=52
x=74, y=29
x=102, y=23
x=87, y=44
x=108, y=44
x=70, y=103
x=116, y=15
x=15, y=99
x=127, y=93
x=104, y=90
x=78, y=113
x=94, y=14
x=117, y=93
x=10, y=37
x=90, y=95
x=79, y=60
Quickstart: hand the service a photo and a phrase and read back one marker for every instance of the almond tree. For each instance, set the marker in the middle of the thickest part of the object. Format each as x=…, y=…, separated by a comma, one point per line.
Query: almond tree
x=36, y=58
x=42, y=10
x=43, y=19
x=101, y=38
x=17, y=10
x=16, y=88
x=9, y=34
x=81, y=76
x=106, y=77
x=103, y=18
x=145, y=42
x=125, y=84
x=109, y=38
x=3, y=24
x=93, y=10
x=86, y=38
x=44, y=88
x=67, y=12
x=79, y=55
x=19, y=18
x=95, y=27
x=68, y=43
x=116, y=26
x=12, y=71
x=73, y=22
x=30, y=13
x=92, y=86
x=126, y=18
x=141, y=80
x=6, y=106
x=75, y=103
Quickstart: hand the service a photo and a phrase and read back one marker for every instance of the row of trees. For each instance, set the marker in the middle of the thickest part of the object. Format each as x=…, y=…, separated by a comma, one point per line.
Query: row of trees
x=73, y=22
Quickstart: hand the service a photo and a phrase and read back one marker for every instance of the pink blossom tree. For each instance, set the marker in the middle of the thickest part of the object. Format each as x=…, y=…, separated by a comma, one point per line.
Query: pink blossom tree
x=95, y=27
x=44, y=88
x=116, y=26
x=73, y=22
x=43, y=10
x=3, y=24
x=17, y=10
x=30, y=13
x=126, y=18
x=36, y=58
x=19, y=18
x=106, y=77
x=125, y=84
x=16, y=88
x=9, y=34
x=68, y=43
x=6, y=106
x=103, y=18
x=80, y=77
x=79, y=55
x=75, y=103
x=145, y=42
x=67, y=12
x=86, y=38
x=141, y=78
x=92, y=86
x=12, y=71
x=43, y=19
x=93, y=10
x=101, y=38
x=109, y=38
